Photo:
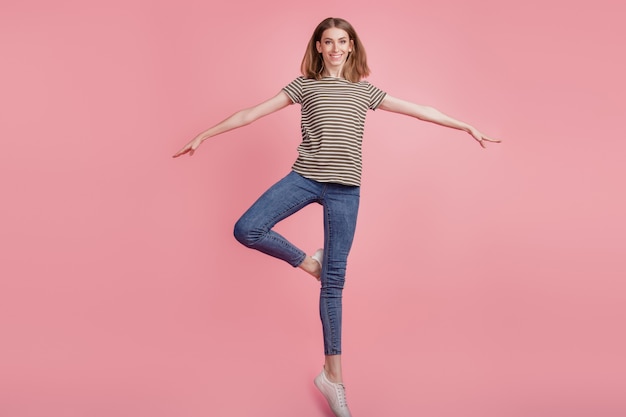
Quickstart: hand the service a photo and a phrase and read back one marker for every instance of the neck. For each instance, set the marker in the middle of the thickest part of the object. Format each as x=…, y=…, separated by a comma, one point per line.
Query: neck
x=335, y=72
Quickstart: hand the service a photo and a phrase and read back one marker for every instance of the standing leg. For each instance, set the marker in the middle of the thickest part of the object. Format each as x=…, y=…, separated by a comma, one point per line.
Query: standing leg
x=341, y=204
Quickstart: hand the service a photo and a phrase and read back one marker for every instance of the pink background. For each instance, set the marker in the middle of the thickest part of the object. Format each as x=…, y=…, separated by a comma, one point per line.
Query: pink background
x=482, y=282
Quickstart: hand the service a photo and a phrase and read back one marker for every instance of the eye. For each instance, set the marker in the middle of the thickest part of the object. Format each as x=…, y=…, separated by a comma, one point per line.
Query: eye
x=327, y=42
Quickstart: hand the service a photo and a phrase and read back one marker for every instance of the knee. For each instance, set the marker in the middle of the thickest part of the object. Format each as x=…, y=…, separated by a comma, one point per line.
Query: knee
x=245, y=233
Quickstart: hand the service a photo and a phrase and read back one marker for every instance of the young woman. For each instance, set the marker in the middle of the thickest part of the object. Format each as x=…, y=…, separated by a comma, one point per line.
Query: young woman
x=334, y=101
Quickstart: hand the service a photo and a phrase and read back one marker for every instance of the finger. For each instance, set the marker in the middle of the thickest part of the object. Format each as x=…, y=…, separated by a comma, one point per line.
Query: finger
x=182, y=152
x=479, y=139
x=492, y=140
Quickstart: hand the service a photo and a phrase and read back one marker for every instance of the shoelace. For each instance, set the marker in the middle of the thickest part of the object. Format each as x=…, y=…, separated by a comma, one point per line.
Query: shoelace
x=341, y=395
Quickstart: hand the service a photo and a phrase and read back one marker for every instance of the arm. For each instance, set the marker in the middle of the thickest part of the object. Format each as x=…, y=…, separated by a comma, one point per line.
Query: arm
x=432, y=115
x=241, y=118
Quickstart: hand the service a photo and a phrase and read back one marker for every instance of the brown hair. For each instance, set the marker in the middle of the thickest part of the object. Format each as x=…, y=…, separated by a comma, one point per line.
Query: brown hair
x=355, y=68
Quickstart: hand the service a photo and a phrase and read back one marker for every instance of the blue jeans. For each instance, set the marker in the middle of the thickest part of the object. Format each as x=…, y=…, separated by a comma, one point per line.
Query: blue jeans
x=341, y=205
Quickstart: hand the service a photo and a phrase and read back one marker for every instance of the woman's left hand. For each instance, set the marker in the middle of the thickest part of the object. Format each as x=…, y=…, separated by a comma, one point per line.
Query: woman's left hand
x=481, y=139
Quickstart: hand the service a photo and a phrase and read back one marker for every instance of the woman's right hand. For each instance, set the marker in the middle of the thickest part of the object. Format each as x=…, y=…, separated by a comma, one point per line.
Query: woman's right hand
x=191, y=147
x=241, y=118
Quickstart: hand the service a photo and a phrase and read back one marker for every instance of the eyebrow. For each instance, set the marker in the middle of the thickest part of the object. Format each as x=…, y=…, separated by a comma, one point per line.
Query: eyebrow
x=330, y=39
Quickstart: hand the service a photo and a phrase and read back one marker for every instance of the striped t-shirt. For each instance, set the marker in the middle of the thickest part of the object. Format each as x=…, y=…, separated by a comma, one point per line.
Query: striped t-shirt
x=333, y=121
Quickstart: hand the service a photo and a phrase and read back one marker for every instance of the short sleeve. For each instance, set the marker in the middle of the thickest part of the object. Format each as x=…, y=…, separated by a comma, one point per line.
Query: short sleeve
x=376, y=95
x=294, y=90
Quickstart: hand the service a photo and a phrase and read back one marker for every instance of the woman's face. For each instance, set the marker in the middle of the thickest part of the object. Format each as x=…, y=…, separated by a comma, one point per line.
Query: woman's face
x=334, y=46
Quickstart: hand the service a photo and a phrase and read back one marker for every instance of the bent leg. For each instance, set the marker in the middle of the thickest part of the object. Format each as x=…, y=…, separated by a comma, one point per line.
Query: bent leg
x=287, y=196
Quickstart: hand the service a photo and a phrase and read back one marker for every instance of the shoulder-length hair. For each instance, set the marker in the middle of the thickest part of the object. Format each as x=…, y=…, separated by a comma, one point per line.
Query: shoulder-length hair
x=355, y=68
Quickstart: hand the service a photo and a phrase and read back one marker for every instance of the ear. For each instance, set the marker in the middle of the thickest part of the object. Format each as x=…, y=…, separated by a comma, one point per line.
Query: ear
x=318, y=45
x=351, y=45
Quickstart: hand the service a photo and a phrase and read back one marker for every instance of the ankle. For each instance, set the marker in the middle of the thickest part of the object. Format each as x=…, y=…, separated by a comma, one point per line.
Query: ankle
x=334, y=377
x=311, y=266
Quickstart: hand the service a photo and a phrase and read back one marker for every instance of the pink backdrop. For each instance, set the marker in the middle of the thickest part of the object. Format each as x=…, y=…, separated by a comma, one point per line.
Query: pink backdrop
x=482, y=282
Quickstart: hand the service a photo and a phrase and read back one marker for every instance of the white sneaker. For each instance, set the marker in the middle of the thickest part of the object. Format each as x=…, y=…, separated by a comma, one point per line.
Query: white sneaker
x=318, y=256
x=335, y=394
